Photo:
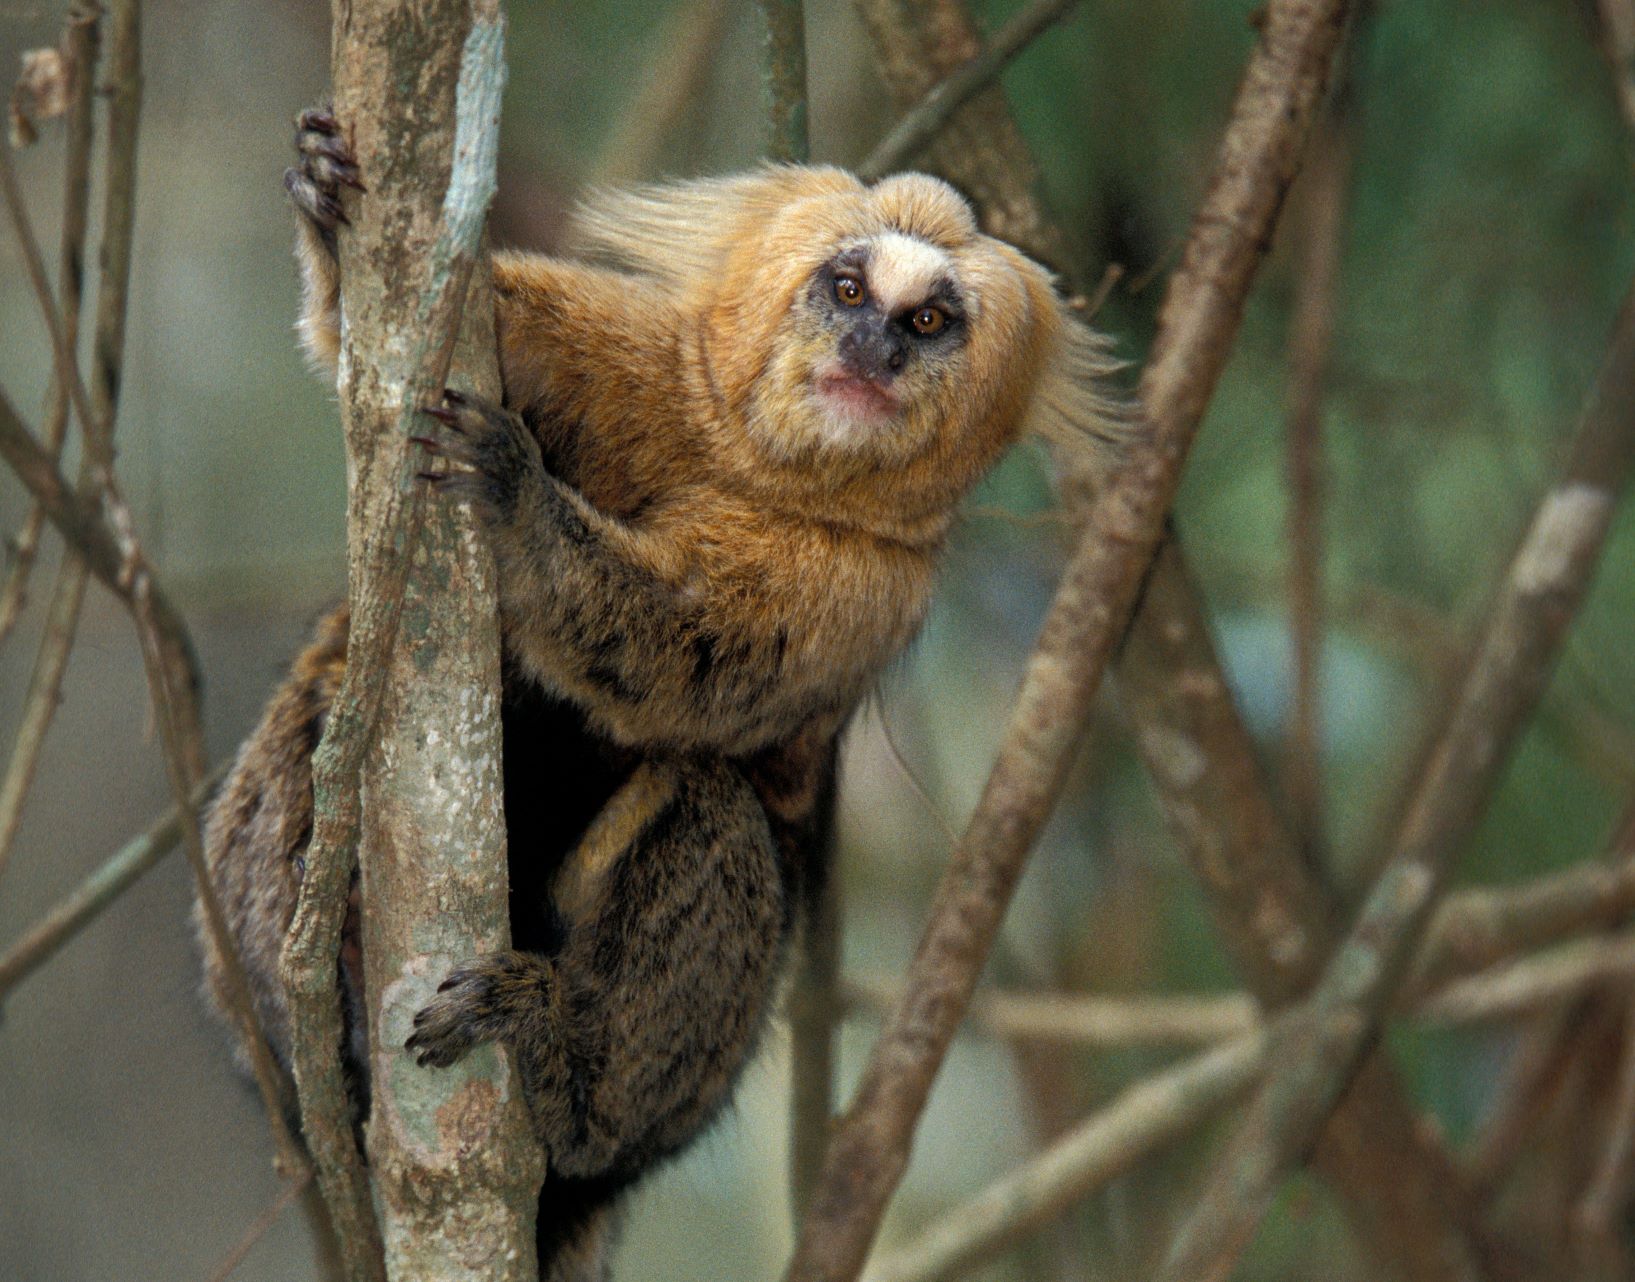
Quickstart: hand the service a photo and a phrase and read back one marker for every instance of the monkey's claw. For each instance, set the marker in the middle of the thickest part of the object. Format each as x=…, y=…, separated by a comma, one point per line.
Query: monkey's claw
x=495, y=455
x=482, y=1001
x=324, y=164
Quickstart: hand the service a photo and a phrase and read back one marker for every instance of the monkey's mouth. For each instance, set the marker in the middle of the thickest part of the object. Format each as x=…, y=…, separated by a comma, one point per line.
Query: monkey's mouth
x=855, y=397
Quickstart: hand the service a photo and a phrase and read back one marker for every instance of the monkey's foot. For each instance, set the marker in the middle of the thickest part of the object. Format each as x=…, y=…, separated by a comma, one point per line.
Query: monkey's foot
x=496, y=455
x=324, y=164
x=490, y=999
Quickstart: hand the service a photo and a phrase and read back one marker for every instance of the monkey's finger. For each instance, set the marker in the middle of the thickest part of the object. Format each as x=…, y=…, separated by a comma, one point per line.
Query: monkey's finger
x=313, y=201
x=317, y=118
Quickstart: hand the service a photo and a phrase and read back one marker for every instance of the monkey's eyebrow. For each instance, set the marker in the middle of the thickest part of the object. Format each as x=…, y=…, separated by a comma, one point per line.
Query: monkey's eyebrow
x=854, y=259
x=946, y=295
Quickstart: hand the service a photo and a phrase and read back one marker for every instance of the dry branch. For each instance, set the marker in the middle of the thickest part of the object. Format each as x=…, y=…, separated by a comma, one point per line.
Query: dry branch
x=80, y=45
x=416, y=720
x=1274, y=917
x=1258, y=160
x=1544, y=586
x=785, y=24
x=85, y=903
x=927, y=118
x=1146, y=1116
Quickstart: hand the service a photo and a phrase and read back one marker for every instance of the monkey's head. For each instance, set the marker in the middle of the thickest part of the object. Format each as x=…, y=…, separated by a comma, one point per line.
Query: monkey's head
x=869, y=344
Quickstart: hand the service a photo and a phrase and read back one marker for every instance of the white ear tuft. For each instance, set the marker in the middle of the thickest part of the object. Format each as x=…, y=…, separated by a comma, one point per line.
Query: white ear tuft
x=1075, y=402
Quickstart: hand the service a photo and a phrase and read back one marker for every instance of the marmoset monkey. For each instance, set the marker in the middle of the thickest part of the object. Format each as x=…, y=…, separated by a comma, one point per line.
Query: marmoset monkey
x=739, y=415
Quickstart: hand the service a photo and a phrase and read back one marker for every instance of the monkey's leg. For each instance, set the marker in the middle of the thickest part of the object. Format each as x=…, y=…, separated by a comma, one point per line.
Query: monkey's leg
x=630, y=1034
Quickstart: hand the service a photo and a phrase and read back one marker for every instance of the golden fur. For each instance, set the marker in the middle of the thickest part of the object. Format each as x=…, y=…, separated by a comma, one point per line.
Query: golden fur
x=728, y=456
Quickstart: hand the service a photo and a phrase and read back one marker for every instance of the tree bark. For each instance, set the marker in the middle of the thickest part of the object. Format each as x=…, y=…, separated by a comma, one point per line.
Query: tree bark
x=455, y=1169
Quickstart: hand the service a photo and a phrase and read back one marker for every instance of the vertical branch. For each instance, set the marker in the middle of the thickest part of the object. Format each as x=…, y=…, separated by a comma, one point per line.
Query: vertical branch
x=1542, y=591
x=406, y=780
x=814, y=1023
x=1258, y=159
x=1311, y=334
x=785, y=22
x=814, y=1002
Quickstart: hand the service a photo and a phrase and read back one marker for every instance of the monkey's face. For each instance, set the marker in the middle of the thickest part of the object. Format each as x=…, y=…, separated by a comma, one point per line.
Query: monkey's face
x=891, y=332
x=884, y=323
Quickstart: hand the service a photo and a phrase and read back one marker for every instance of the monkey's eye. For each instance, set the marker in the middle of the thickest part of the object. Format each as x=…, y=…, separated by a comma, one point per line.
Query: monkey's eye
x=928, y=320
x=849, y=290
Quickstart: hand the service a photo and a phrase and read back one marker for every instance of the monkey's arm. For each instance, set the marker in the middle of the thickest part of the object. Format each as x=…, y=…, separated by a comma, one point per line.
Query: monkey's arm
x=554, y=316
x=614, y=616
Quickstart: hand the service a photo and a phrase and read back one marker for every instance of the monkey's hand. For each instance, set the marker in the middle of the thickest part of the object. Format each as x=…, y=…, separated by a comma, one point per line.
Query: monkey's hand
x=324, y=164
x=490, y=999
x=499, y=469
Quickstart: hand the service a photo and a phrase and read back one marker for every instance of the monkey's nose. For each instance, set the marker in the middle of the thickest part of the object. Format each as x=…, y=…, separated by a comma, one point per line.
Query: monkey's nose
x=873, y=351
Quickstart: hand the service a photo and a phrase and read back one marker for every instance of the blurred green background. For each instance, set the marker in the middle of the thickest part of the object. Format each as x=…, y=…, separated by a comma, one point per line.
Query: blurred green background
x=1490, y=237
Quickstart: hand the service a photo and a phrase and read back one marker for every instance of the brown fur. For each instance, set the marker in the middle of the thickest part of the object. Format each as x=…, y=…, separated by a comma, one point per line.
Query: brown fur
x=703, y=566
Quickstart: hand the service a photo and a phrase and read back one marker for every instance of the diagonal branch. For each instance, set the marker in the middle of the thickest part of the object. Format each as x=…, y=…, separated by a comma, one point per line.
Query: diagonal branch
x=1505, y=676
x=1275, y=920
x=86, y=902
x=927, y=118
x=1258, y=158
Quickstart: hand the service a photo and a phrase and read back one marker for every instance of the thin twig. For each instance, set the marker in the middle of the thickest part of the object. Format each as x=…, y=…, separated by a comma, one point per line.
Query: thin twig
x=785, y=25
x=1502, y=991
x=1085, y=1019
x=62, y=615
x=1545, y=584
x=43, y=698
x=1524, y=986
x=1143, y=1118
x=869, y=1152
x=260, y=1225
x=80, y=44
x=923, y=122
x=167, y=653
x=84, y=904
x=686, y=46
x=1311, y=332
